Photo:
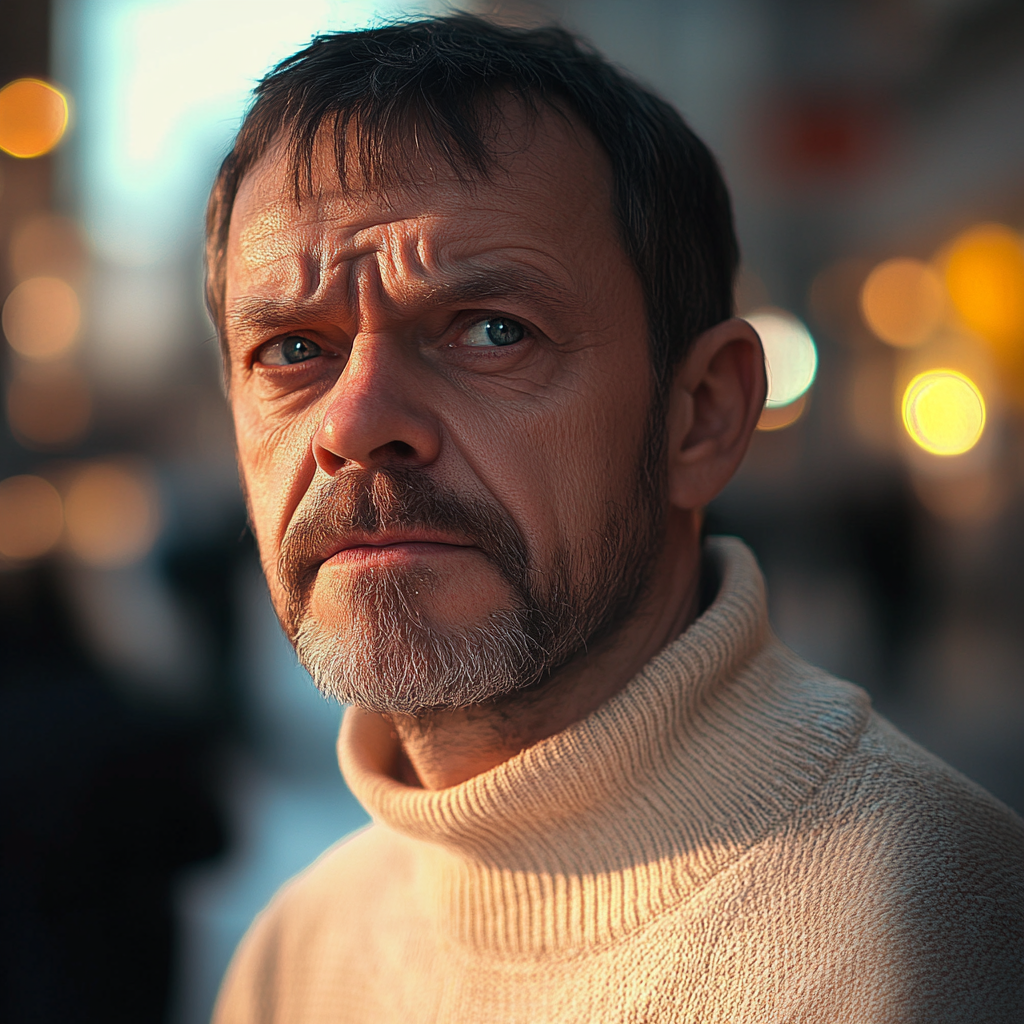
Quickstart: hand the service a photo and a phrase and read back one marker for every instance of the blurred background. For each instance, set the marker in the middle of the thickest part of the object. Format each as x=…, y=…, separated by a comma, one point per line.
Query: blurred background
x=164, y=764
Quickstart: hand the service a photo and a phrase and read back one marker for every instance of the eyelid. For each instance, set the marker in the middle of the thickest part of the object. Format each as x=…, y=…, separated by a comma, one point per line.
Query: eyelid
x=257, y=359
x=475, y=317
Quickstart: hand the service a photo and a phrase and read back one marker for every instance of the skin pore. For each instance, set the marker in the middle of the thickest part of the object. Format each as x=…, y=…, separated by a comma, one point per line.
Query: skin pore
x=493, y=336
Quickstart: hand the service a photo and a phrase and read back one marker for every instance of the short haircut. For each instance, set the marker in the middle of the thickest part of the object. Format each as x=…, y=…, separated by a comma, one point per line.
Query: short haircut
x=443, y=80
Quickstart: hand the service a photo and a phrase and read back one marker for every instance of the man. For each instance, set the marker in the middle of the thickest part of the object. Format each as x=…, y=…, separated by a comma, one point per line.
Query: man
x=474, y=289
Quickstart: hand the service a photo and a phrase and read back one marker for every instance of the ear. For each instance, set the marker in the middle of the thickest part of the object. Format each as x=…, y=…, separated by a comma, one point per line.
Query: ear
x=717, y=395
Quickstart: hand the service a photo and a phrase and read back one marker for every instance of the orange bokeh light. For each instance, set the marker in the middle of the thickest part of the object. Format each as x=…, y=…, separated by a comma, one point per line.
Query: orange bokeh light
x=31, y=517
x=984, y=270
x=41, y=318
x=112, y=514
x=902, y=301
x=33, y=117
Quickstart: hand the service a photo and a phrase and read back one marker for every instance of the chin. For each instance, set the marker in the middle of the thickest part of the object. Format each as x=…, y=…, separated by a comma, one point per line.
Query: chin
x=386, y=655
x=384, y=599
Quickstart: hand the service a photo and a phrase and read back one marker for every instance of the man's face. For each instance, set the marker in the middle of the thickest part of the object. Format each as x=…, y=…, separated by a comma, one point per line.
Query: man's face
x=442, y=403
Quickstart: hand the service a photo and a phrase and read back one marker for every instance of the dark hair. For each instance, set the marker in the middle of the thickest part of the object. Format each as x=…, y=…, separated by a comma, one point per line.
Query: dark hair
x=443, y=80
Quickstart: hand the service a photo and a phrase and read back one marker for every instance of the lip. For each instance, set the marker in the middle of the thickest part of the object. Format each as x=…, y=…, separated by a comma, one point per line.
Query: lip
x=394, y=548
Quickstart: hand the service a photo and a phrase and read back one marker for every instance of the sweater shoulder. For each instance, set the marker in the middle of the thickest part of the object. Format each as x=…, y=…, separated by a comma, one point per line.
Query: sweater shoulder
x=312, y=918
x=936, y=863
x=889, y=780
x=339, y=883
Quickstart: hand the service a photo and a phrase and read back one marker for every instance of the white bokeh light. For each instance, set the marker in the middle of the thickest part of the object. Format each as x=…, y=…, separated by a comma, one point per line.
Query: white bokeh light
x=789, y=353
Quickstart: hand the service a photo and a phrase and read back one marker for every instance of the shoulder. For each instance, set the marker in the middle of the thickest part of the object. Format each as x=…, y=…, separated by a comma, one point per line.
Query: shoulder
x=889, y=784
x=318, y=918
x=933, y=870
x=343, y=877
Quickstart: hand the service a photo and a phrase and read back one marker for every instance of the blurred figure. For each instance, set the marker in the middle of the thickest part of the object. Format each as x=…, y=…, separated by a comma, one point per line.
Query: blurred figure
x=103, y=804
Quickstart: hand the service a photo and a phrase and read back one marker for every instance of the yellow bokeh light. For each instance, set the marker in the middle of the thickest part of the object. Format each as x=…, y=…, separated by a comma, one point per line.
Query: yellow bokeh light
x=984, y=270
x=944, y=412
x=41, y=318
x=789, y=354
x=112, y=514
x=33, y=117
x=902, y=301
x=31, y=518
x=781, y=416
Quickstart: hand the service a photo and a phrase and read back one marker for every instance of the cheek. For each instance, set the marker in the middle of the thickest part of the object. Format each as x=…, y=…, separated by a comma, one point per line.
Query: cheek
x=276, y=465
x=554, y=466
x=594, y=464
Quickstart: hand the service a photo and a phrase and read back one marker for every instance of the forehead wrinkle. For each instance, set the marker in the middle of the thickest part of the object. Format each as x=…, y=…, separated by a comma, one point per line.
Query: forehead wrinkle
x=369, y=289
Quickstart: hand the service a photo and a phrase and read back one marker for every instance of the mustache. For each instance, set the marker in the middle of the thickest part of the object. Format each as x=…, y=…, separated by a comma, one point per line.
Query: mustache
x=370, y=502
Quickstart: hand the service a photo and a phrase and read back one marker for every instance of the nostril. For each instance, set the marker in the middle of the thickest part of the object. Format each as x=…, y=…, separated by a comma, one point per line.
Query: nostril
x=402, y=450
x=328, y=462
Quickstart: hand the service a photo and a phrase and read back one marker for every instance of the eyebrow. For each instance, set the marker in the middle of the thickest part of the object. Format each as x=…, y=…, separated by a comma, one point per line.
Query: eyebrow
x=254, y=312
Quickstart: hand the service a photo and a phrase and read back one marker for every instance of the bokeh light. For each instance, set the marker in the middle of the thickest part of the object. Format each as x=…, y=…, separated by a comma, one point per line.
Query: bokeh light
x=903, y=301
x=41, y=318
x=33, y=117
x=944, y=412
x=984, y=270
x=111, y=513
x=46, y=245
x=48, y=405
x=789, y=353
x=31, y=517
x=778, y=417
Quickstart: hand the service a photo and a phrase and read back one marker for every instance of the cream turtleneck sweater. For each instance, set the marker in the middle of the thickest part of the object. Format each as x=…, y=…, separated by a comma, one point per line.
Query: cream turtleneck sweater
x=734, y=838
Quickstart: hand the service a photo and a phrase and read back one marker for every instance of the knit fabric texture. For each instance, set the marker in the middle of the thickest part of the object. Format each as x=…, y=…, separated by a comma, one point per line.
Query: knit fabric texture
x=734, y=838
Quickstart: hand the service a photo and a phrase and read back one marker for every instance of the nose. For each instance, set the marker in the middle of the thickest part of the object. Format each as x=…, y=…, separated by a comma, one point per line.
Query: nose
x=377, y=412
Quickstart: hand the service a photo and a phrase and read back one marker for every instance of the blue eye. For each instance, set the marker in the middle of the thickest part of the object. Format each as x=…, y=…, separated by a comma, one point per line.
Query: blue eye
x=498, y=331
x=293, y=349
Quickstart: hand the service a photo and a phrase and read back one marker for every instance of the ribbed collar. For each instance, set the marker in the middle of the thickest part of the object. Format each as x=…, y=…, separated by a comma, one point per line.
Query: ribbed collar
x=584, y=836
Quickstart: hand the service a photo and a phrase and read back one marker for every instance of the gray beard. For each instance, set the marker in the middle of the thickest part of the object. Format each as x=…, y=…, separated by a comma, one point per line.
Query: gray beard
x=389, y=660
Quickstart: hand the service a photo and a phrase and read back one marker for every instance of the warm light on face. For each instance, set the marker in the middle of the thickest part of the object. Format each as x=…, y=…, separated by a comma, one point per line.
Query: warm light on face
x=33, y=117
x=31, y=518
x=111, y=514
x=902, y=301
x=41, y=318
x=985, y=278
x=944, y=412
x=789, y=354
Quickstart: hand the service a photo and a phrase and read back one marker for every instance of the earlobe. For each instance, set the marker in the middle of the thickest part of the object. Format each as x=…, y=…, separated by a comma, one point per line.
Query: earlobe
x=717, y=396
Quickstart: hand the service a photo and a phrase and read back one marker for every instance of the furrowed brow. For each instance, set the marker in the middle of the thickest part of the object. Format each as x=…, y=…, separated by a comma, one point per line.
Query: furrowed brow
x=491, y=285
x=256, y=313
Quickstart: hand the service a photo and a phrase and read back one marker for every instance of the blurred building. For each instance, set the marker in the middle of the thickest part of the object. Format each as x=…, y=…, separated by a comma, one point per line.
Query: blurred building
x=165, y=763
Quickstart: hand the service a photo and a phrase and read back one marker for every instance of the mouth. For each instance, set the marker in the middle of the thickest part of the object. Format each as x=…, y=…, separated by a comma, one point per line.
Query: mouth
x=394, y=549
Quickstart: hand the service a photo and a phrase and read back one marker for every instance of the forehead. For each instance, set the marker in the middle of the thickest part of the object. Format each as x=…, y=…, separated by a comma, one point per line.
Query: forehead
x=548, y=189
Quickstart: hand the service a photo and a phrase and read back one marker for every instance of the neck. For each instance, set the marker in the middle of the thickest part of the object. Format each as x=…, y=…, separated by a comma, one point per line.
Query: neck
x=443, y=748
